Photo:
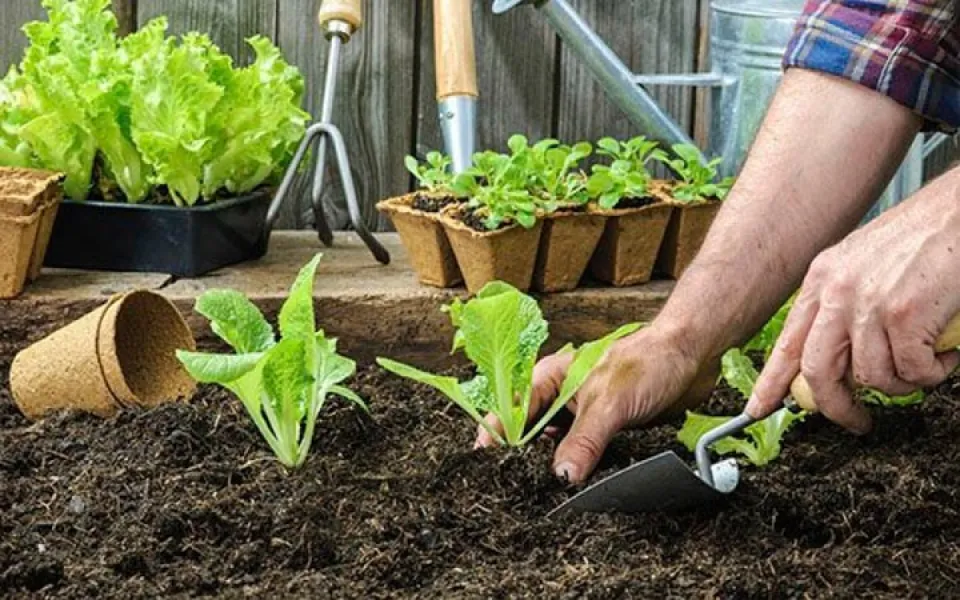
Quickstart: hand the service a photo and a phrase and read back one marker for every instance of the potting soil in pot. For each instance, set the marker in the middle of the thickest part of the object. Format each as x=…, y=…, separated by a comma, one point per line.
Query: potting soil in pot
x=185, y=501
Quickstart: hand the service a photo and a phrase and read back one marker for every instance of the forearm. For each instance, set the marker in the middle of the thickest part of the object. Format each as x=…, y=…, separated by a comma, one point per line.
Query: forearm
x=824, y=154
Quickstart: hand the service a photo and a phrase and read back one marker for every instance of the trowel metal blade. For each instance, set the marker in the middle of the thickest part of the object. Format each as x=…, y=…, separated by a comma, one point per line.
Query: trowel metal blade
x=502, y=6
x=660, y=483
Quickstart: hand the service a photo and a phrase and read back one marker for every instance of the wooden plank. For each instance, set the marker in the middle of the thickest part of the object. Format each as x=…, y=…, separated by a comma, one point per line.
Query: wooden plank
x=374, y=101
x=14, y=14
x=516, y=59
x=653, y=36
x=126, y=11
x=374, y=310
x=227, y=22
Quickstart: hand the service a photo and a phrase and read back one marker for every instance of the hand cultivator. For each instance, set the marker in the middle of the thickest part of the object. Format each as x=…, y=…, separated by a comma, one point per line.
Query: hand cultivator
x=340, y=20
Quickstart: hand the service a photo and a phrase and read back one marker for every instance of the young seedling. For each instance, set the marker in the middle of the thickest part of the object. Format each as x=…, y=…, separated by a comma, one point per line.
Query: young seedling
x=434, y=175
x=496, y=186
x=551, y=171
x=501, y=331
x=283, y=385
x=698, y=181
x=611, y=185
x=638, y=151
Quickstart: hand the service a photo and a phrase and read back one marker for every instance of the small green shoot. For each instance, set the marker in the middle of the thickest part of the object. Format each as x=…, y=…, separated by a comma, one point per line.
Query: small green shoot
x=496, y=185
x=501, y=331
x=620, y=181
x=434, y=175
x=638, y=151
x=698, y=181
x=283, y=385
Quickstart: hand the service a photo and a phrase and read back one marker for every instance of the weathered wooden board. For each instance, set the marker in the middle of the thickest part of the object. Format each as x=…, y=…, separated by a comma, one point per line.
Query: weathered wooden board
x=374, y=310
x=374, y=100
x=516, y=68
x=227, y=22
x=653, y=36
x=13, y=15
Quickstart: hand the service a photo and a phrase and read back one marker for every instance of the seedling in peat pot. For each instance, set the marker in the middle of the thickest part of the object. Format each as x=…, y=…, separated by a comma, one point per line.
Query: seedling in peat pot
x=698, y=181
x=496, y=185
x=610, y=185
x=284, y=384
x=501, y=331
x=638, y=151
x=434, y=175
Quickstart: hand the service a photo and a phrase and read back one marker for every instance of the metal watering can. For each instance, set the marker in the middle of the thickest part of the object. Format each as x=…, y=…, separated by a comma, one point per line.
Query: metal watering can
x=747, y=41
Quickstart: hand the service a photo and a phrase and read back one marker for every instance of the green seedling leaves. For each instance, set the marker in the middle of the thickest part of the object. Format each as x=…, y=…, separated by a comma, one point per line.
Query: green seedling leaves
x=283, y=385
x=698, y=181
x=434, y=175
x=501, y=331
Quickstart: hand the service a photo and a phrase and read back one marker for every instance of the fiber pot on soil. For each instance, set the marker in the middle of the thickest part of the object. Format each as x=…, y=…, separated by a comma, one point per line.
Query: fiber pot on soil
x=508, y=254
x=567, y=242
x=29, y=200
x=423, y=236
x=120, y=355
x=631, y=241
x=685, y=234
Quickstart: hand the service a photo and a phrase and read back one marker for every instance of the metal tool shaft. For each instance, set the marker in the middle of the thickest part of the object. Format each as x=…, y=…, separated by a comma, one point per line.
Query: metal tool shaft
x=702, y=452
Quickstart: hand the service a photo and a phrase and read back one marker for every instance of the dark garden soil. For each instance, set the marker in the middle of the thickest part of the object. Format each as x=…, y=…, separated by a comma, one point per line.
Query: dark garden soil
x=433, y=204
x=636, y=202
x=183, y=501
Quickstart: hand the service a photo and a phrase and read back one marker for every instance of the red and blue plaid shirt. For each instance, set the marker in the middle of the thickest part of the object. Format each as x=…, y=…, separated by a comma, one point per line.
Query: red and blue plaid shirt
x=908, y=50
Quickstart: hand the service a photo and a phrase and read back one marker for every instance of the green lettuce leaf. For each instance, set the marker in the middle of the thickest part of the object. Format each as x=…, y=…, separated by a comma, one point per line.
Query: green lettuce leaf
x=297, y=318
x=762, y=444
x=236, y=320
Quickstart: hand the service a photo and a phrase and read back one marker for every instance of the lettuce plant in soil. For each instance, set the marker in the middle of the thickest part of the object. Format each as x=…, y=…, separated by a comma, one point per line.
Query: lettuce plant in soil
x=283, y=384
x=501, y=331
x=147, y=118
x=762, y=441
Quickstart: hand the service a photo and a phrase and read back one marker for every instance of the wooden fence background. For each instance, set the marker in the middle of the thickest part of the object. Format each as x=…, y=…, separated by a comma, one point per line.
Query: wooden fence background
x=385, y=106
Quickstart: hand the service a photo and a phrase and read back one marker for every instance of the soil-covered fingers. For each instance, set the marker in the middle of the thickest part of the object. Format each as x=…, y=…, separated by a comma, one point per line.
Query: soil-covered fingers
x=825, y=362
x=599, y=417
x=548, y=376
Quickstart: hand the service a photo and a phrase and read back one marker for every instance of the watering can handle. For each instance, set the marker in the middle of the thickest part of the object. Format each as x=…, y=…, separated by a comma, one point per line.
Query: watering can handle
x=803, y=395
x=455, y=54
x=348, y=11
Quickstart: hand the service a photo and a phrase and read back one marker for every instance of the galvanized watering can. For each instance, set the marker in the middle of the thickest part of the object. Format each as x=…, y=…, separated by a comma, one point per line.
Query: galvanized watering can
x=747, y=41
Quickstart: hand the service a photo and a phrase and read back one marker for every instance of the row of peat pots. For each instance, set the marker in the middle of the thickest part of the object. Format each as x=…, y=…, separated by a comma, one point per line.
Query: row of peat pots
x=624, y=246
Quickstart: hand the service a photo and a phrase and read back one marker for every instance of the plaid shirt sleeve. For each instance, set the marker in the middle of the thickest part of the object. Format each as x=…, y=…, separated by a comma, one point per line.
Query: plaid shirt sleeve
x=908, y=50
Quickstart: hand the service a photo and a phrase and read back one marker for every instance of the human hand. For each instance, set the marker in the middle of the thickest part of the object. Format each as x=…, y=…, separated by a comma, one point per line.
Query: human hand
x=870, y=311
x=643, y=377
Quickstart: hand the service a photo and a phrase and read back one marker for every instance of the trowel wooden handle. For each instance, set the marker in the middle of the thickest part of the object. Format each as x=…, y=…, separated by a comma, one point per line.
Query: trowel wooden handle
x=948, y=340
x=454, y=48
x=348, y=11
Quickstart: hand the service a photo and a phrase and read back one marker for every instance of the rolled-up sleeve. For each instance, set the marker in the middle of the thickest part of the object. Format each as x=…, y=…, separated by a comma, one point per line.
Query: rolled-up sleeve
x=908, y=50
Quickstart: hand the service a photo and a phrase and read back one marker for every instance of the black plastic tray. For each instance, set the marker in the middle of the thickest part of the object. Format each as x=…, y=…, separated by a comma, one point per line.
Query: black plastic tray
x=185, y=242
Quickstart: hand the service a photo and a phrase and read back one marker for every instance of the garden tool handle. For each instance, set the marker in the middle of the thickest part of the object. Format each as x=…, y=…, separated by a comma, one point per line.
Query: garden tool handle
x=803, y=395
x=455, y=57
x=348, y=11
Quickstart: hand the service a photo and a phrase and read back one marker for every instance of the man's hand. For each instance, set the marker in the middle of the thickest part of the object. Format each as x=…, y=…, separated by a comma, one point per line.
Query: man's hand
x=640, y=379
x=870, y=310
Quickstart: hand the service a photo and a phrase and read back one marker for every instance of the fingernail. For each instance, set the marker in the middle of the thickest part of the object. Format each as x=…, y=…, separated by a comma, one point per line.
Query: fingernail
x=566, y=470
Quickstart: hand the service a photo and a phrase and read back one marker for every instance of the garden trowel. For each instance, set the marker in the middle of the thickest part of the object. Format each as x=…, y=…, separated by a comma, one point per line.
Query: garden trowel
x=665, y=482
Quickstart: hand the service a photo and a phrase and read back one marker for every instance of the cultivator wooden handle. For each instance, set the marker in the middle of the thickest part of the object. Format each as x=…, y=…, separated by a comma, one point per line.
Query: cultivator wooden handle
x=348, y=11
x=803, y=395
x=455, y=53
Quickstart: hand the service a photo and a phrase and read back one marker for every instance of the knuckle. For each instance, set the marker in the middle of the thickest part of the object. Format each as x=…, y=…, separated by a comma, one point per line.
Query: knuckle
x=899, y=311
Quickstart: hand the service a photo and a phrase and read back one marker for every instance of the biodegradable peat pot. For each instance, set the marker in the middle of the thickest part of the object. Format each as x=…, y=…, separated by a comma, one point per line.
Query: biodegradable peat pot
x=685, y=234
x=121, y=355
x=17, y=238
x=630, y=244
x=566, y=245
x=422, y=235
x=24, y=194
x=507, y=254
x=185, y=242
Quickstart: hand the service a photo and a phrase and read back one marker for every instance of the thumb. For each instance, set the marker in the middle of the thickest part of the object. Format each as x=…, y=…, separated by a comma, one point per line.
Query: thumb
x=594, y=426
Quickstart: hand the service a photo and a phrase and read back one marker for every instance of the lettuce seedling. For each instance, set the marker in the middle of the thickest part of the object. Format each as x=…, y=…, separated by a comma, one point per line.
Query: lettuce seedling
x=551, y=171
x=698, y=180
x=434, y=175
x=619, y=181
x=763, y=439
x=638, y=151
x=496, y=186
x=878, y=398
x=283, y=385
x=501, y=331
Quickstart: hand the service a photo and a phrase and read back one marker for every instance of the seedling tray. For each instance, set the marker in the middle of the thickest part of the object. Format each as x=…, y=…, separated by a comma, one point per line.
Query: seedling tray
x=185, y=242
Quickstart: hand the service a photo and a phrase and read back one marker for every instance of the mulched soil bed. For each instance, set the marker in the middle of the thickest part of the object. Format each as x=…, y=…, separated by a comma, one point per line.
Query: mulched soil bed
x=183, y=501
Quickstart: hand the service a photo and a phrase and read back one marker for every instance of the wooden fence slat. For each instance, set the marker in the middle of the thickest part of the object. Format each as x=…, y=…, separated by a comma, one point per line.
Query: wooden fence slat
x=374, y=100
x=14, y=14
x=650, y=37
x=516, y=58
